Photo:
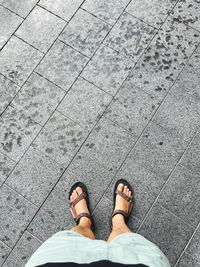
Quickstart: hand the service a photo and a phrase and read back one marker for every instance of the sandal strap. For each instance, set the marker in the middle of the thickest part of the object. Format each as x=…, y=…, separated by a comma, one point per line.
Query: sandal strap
x=129, y=199
x=125, y=214
x=76, y=200
x=83, y=214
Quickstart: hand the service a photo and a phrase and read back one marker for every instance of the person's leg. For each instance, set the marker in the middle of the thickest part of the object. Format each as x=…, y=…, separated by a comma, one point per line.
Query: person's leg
x=118, y=224
x=84, y=226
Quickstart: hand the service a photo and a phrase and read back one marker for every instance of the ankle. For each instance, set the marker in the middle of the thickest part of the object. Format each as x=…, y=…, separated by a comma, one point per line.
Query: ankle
x=85, y=222
x=118, y=221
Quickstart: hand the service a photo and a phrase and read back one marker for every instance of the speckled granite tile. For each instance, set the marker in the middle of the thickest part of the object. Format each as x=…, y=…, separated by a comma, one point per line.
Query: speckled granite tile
x=8, y=24
x=167, y=231
x=16, y=133
x=132, y=108
x=158, y=150
x=155, y=74
x=152, y=12
x=194, y=246
x=188, y=12
x=181, y=195
x=7, y=91
x=64, y=9
x=18, y=60
x=21, y=7
x=6, y=166
x=4, y=251
x=15, y=211
x=130, y=36
x=107, y=10
x=176, y=39
x=85, y=32
x=146, y=185
x=44, y=27
x=193, y=67
x=187, y=260
x=38, y=98
x=60, y=139
x=35, y=182
x=107, y=69
x=84, y=103
x=24, y=249
x=55, y=66
x=108, y=144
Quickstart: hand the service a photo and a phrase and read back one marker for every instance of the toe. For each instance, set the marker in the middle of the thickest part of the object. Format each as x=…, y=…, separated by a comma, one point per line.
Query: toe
x=120, y=187
x=79, y=190
x=129, y=194
x=125, y=189
x=74, y=194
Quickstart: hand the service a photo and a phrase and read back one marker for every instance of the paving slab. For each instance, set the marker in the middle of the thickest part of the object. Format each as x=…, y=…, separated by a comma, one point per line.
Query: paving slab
x=152, y=12
x=24, y=249
x=18, y=60
x=130, y=36
x=84, y=103
x=44, y=27
x=16, y=133
x=64, y=9
x=132, y=108
x=187, y=260
x=6, y=166
x=20, y=212
x=9, y=22
x=20, y=7
x=54, y=66
x=85, y=32
x=4, y=252
x=107, y=10
x=107, y=69
x=35, y=182
x=167, y=231
x=194, y=245
x=60, y=139
x=38, y=98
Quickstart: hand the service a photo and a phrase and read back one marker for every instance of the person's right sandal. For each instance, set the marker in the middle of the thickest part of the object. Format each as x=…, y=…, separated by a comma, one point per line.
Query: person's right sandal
x=129, y=200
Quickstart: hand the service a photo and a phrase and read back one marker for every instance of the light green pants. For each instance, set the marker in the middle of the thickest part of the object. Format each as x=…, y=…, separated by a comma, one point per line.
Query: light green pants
x=68, y=246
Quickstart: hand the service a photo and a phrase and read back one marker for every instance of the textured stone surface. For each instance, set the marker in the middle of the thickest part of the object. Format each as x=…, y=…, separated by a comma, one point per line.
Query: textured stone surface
x=107, y=70
x=187, y=260
x=6, y=166
x=20, y=212
x=18, y=60
x=194, y=245
x=16, y=133
x=4, y=251
x=62, y=59
x=130, y=36
x=84, y=103
x=21, y=7
x=38, y=98
x=44, y=27
x=85, y=32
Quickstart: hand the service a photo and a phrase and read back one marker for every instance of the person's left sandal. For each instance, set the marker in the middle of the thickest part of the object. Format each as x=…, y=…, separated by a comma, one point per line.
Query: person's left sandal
x=83, y=195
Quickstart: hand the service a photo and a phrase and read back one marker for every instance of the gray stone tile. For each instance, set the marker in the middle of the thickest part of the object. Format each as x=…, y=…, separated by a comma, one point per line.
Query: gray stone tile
x=15, y=211
x=18, y=60
x=6, y=166
x=25, y=247
x=102, y=215
x=57, y=69
x=7, y=91
x=194, y=246
x=64, y=9
x=187, y=260
x=108, y=144
x=4, y=251
x=8, y=24
x=107, y=69
x=158, y=150
x=21, y=7
x=85, y=32
x=44, y=27
x=130, y=36
x=181, y=195
x=188, y=13
x=84, y=103
x=35, y=182
x=60, y=139
x=132, y=108
x=193, y=67
x=167, y=231
x=152, y=12
x=146, y=186
x=155, y=73
x=38, y=98
x=107, y=10
x=16, y=133
x=176, y=39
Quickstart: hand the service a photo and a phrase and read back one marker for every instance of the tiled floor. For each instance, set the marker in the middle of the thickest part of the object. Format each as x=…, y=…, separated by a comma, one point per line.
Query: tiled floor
x=98, y=90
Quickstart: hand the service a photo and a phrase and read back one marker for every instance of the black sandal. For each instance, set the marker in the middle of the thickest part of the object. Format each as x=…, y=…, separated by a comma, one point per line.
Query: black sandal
x=83, y=195
x=129, y=199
